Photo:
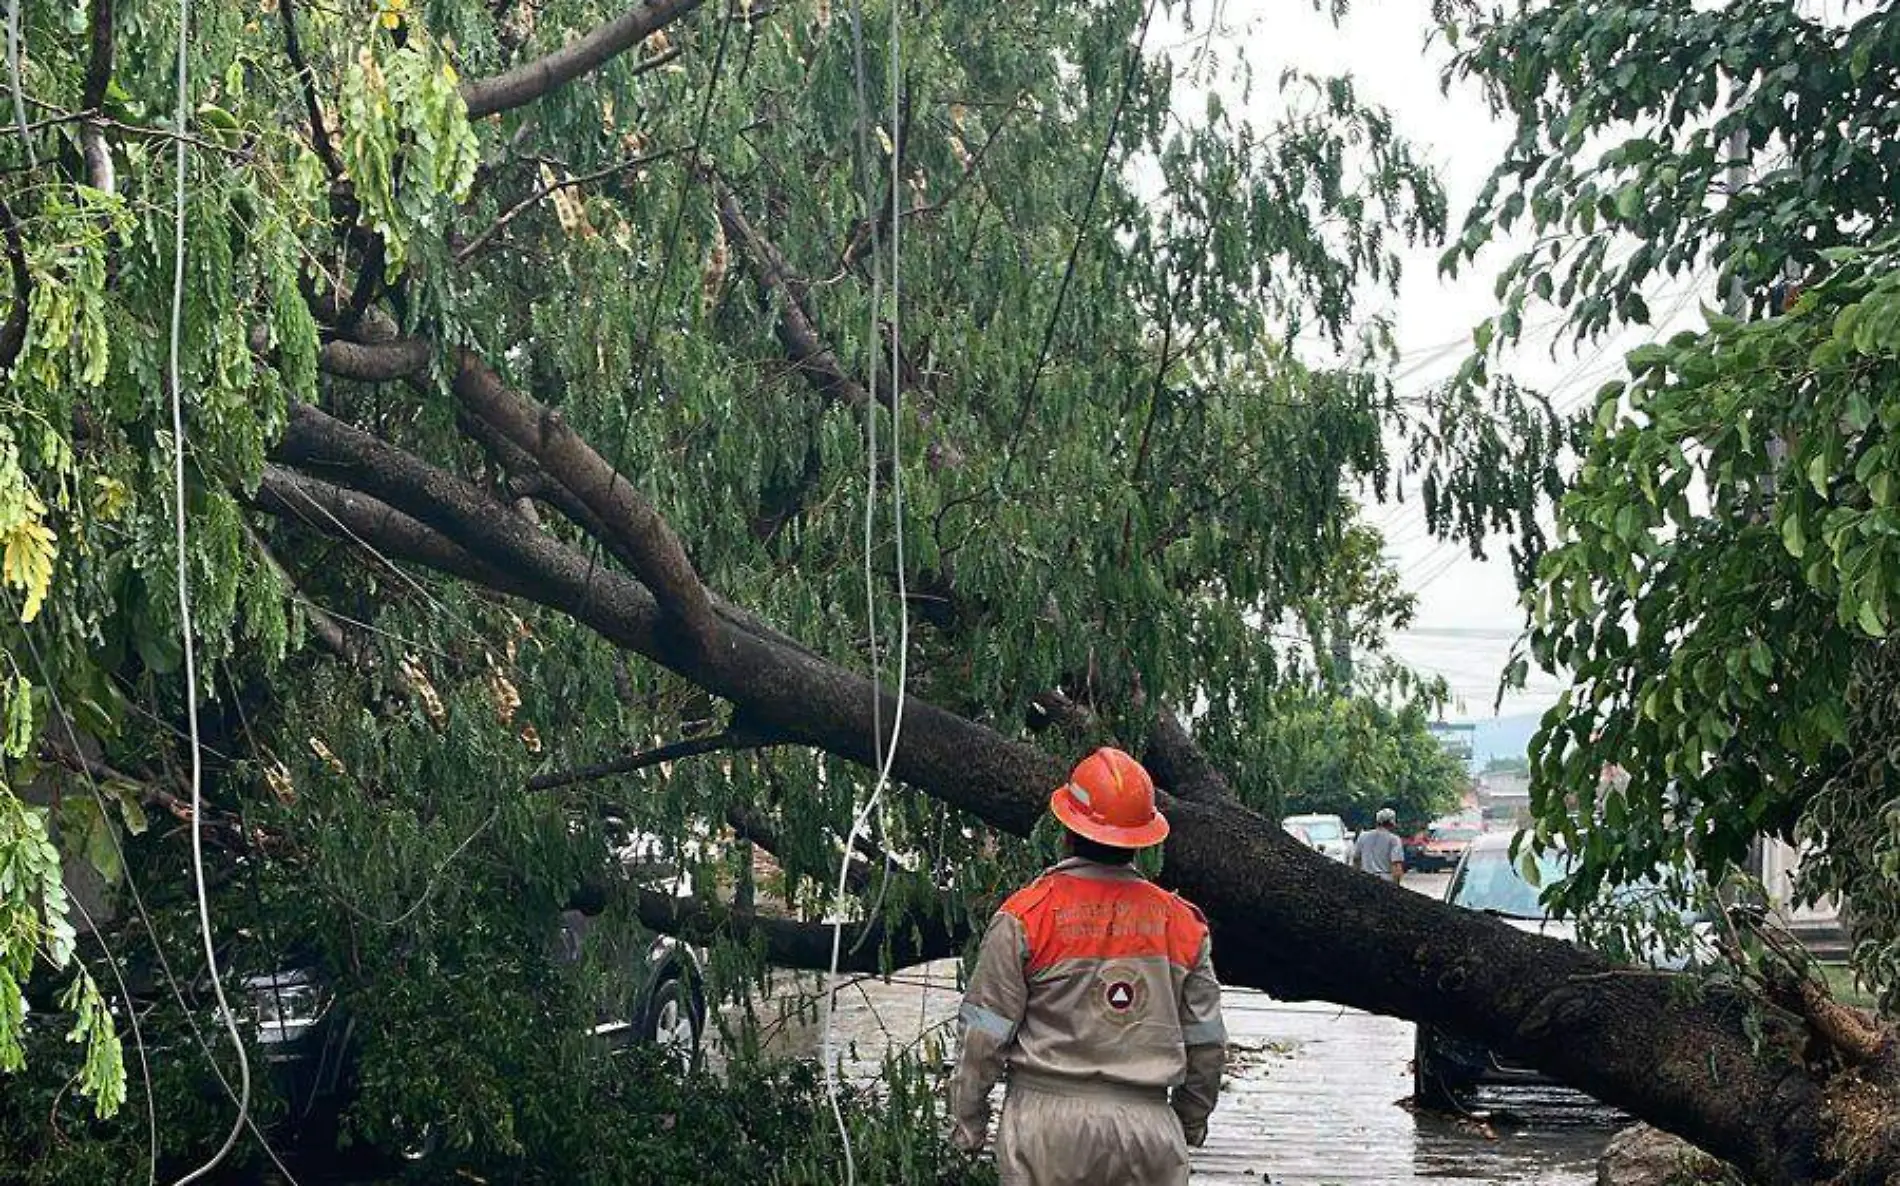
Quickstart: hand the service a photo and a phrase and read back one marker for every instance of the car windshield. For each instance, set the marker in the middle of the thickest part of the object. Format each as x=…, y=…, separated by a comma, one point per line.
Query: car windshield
x=1466, y=834
x=1489, y=880
x=1320, y=829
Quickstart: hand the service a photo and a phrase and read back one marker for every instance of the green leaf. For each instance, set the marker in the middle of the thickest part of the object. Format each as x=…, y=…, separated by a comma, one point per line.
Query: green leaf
x=17, y=740
x=1527, y=868
x=1794, y=535
x=1629, y=201
x=102, y=848
x=1760, y=658
x=1870, y=618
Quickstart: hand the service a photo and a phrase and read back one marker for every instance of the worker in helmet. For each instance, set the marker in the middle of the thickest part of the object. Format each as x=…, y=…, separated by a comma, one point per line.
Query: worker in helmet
x=1094, y=989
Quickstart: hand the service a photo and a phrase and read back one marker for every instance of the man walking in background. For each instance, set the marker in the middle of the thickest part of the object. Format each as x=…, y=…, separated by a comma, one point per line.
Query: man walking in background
x=1380, y=852
x=1095, y=990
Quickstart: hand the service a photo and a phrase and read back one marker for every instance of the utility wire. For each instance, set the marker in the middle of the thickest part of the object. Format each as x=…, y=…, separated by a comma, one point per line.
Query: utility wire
x=181, y=164
x=885, y=756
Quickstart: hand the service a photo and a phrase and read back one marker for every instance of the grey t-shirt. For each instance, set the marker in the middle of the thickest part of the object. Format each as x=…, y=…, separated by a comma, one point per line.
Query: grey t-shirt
x=1376, y=851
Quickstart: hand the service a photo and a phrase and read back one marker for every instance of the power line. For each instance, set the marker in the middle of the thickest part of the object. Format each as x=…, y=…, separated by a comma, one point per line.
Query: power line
x=181, y=542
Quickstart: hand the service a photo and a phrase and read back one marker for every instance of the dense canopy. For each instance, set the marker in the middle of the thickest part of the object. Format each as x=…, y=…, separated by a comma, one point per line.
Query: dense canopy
x=550, y=374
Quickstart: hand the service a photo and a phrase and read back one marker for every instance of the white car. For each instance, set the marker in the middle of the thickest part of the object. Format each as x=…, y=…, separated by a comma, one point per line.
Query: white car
x=1326, y=833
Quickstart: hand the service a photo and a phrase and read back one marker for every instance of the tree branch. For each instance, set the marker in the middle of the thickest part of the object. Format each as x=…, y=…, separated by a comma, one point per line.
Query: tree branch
x=375, y=362
x=307, y=82
x=92, y=141
x=530, y=81
x=150, y=793
x=868, y=947
x=734, y=738
x=13, y=332
x=637, y=534
x=475, y=245
x=797, y=332
x=446, y=524
x=1179, y=765
x=354, y=517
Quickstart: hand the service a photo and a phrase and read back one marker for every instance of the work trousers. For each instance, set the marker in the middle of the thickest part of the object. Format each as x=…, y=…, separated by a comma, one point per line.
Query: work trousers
x=1079, y=1134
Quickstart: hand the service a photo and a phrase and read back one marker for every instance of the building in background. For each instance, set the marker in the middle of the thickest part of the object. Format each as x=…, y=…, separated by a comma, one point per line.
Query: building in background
x=1458, y=738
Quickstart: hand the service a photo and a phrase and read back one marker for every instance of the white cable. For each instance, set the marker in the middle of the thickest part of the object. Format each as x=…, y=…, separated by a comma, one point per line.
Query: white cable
x=886, y=756
x=830, y=995
x=184, y=609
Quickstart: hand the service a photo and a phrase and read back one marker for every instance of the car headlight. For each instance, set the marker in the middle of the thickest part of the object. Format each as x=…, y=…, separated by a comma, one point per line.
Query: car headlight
x=285, y=1009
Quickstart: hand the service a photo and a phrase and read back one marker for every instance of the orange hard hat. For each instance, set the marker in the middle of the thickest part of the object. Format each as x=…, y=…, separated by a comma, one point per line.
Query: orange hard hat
x=1110, y=799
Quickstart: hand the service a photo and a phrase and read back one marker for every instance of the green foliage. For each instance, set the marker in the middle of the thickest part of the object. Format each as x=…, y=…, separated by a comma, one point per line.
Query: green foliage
x=1726, y=575
x=407, y=144
x=1627, y=115
x=34, y=927
x=1117, y=460
x=1349, y=756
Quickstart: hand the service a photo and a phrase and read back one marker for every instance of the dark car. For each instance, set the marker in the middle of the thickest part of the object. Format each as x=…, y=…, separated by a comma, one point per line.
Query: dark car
x=648, y=988
x=309, y=1040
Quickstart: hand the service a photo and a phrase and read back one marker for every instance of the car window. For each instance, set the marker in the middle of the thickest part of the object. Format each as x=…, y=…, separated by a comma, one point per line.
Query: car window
x=1489, y=880
x=1321, y=829
x=1465, y=834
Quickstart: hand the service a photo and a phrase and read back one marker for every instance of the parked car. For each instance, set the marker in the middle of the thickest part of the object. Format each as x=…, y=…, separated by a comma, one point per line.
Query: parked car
x=309, y=1040
x=1327, y=833
x=1442, y=844
x=1487, y=879
x=1445, y=1066
x=649, y=991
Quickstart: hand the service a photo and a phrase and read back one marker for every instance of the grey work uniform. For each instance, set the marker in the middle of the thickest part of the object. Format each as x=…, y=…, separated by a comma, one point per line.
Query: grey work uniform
x=1377, y=851
x=1095, y=990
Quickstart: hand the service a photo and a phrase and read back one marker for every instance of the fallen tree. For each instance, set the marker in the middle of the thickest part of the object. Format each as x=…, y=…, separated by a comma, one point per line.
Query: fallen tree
x=510, y=354
x=1685, y=1061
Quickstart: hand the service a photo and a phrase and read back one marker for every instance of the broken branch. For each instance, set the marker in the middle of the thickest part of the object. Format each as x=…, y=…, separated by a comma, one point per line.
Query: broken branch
x=734, y=738
x=475, y=245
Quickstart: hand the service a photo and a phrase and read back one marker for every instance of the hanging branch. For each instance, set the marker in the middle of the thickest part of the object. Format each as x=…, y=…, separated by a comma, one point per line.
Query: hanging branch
x=735, y=738
x=307, y=82
x=13, y=332
x=810, y=355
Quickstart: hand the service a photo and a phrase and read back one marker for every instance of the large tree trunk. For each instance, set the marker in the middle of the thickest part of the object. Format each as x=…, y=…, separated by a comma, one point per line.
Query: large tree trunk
x=1285, y=920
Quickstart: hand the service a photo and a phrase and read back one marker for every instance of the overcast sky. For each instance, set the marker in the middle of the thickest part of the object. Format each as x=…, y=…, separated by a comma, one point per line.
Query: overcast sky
x=1468, y=609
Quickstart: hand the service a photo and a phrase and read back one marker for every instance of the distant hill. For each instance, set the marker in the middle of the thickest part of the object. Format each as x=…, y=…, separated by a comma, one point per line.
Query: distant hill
x=1502, y=737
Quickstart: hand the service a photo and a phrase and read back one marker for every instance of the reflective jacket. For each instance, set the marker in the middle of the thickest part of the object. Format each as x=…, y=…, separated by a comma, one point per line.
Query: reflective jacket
x=1092, y=973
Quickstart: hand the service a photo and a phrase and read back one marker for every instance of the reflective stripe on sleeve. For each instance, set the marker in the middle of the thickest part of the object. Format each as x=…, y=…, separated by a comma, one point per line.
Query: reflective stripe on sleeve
x=1204, y=1033
x=985, y=1021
